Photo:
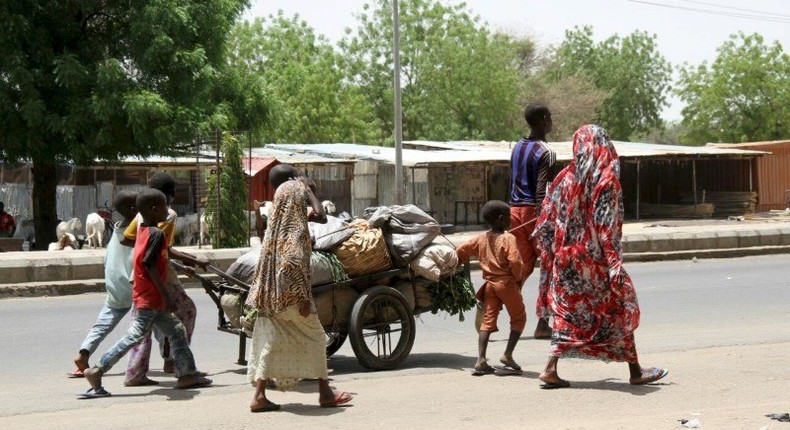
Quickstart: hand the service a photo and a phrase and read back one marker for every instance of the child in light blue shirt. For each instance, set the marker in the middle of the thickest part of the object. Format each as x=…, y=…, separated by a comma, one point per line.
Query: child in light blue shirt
x=117, y=279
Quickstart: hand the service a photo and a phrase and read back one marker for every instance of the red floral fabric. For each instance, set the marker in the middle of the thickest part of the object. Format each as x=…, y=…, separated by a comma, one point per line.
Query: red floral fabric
x=583, y=284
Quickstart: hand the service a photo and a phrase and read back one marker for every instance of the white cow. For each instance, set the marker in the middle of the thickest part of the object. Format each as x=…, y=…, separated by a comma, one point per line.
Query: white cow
x=71, y=226
x=94, y=230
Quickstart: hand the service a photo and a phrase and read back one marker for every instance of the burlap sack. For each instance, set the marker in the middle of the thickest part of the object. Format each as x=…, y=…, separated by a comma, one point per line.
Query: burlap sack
x=364, y=252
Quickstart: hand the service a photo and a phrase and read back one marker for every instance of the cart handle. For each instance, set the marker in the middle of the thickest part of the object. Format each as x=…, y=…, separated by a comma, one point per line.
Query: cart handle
x=215, y=270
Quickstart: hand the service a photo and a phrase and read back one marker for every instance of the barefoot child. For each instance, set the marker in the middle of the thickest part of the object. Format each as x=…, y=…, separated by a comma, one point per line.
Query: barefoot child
x=117, y=281
x=154, y=306
x=503, y=272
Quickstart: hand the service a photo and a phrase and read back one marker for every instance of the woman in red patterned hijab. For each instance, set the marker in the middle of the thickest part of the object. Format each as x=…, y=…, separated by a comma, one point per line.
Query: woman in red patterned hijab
x=583, y=282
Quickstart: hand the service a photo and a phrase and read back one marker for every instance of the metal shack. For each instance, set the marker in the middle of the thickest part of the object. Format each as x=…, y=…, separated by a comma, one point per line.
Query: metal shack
x=452, y=180
x=772, y=172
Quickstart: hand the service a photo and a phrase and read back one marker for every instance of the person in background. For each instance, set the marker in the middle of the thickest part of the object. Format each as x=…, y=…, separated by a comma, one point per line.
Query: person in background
x=503, y=272
x=7, y=223
x=288, y=341
x=117, y=282
x=590, y=295
x=530, y=171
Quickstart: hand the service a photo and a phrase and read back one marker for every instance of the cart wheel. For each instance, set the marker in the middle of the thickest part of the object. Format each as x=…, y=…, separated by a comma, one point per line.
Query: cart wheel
x=334, y=340
x=382, y=328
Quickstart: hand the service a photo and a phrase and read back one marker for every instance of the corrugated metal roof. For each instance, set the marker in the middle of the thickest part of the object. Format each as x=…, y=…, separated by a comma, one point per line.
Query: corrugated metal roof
x=482, y=151
x=764, y=144
x=297, y=155
x=255, y=164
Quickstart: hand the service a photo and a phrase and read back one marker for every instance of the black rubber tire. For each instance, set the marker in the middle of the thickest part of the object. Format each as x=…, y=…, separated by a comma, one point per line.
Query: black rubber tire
x=334, y=340
x=384, y=307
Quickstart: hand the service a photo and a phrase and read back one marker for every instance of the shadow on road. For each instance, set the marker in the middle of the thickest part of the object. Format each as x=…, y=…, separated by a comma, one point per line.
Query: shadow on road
x=611, y=384
x=344, y=365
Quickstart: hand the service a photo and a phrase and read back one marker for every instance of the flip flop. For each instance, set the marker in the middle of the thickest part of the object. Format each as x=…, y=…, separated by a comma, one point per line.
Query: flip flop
x=341, y=398
x=269, y=407
x=94, y=394
x=76, y=373
x=511, y=366
x=655, y=375
x=555, y=385
x=203, y=382
x=507, y=370
x=487, y=370
x=144, y=383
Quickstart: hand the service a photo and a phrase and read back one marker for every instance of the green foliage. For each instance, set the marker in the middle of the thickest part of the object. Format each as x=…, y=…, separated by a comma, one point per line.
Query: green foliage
x=454, y=295
x=97, y=80
x=459, y=80
x=302, y=71
x=630, y=70
x=743, y=96
x=231, y=228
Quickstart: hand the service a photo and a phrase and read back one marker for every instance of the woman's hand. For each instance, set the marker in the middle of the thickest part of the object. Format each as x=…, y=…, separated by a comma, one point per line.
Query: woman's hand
x=304, y=308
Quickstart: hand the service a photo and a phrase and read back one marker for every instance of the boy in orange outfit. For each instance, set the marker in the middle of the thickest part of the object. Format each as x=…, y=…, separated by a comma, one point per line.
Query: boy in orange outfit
x=504, y=274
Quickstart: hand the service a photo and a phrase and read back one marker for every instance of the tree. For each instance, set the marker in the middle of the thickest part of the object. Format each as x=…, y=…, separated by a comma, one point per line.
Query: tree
x=231, y=230
x=84, y=81
x=634, y=74
x=743, y=96
x=313, y=101
x=459, y=80
x=573, y=100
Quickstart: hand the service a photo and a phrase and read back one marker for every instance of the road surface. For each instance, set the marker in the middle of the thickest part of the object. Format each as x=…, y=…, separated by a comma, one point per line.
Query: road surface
x=721, y=326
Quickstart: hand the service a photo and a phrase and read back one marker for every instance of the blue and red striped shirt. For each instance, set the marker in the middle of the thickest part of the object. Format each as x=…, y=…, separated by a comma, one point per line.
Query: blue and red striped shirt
x=530, y=163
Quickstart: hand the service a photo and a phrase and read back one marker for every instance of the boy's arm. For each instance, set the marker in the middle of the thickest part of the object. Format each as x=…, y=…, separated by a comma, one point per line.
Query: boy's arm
x=516, y=264
x=130, y=233
x=467, y=250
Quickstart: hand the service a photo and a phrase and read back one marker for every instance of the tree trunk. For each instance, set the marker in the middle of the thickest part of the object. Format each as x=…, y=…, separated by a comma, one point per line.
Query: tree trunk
x=44, y=202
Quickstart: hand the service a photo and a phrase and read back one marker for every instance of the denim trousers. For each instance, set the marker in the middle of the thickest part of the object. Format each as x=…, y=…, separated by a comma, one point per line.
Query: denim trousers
x=106, y=321
x=169, y=325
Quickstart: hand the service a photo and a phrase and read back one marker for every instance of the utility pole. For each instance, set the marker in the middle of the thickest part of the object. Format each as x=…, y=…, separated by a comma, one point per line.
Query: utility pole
x=398, y=120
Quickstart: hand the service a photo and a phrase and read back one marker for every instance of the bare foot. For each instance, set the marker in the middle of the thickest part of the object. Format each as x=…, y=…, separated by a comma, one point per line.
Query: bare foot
x=93, y=376
x=542, y=330
x=81, y=361
x=192, y=381
x=553, y=380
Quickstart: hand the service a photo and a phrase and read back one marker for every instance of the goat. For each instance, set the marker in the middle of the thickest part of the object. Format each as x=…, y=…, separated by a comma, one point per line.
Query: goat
x=70, y=226
x=329, y=207
x=205, y=237
x=187, y=229
x=26, y=230
x=94, y=230
x=67, y=242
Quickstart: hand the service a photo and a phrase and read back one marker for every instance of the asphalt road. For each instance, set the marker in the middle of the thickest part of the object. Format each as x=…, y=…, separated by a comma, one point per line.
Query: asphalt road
x=686, y=306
